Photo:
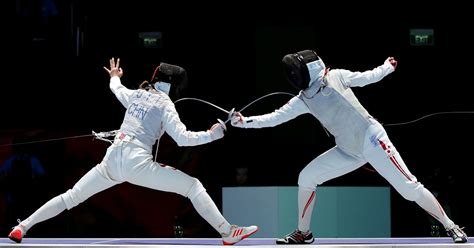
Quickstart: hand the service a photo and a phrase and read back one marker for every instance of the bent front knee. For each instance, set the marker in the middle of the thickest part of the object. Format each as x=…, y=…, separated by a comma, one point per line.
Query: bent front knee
x=307, y=181
x=195, y=189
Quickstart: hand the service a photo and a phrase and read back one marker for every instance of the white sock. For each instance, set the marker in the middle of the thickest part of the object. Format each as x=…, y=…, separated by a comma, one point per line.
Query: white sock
x=205, y=206
x=429, y=203
x=50, y=209
x=306, y=200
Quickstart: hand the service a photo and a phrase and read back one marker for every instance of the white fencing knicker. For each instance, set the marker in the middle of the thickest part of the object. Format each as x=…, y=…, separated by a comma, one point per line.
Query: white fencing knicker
x=129, y=160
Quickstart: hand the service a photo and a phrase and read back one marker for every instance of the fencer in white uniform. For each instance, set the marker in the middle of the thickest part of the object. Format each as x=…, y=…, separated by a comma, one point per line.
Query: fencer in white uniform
x=360, y=139
x=150, y=112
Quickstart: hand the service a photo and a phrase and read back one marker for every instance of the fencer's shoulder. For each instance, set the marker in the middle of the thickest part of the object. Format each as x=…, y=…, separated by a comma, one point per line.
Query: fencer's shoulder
x=168, y=105
x=298, y=98
x=161, y=97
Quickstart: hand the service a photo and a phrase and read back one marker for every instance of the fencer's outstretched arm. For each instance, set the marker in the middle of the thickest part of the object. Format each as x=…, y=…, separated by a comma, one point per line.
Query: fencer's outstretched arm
x=177, y=130
x=289, y=111
x=121, y=92
x=360, y=79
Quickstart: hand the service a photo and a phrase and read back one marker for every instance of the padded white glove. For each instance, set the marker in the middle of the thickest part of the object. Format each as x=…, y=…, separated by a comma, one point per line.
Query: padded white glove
x=238, y=120
x=217, y=130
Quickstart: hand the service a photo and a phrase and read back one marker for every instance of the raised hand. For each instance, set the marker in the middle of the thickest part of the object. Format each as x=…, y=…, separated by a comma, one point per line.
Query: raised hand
x=115, y=69
x=392, y=61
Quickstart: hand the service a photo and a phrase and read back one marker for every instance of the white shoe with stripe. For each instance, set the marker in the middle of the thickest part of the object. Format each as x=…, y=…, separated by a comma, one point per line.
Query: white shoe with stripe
x=238, y=233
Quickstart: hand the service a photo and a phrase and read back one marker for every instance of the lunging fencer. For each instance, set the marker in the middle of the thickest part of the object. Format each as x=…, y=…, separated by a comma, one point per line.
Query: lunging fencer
x=360, y=139
x=150, y=112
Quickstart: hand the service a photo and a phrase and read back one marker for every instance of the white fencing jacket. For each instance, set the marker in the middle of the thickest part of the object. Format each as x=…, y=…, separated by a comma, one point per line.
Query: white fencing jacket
x=149, y=115
x=334, y=104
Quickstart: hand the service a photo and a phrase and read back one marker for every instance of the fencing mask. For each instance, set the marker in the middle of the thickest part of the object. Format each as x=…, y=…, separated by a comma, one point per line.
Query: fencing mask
x=171, y=79
x=303, y=68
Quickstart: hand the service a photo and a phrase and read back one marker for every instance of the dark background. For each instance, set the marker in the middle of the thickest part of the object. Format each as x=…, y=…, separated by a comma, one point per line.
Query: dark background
x=54, y=86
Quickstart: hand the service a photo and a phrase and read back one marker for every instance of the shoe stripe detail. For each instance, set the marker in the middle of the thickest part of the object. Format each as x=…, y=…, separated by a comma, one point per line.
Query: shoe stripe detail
x=237, y=232
x=243, y=237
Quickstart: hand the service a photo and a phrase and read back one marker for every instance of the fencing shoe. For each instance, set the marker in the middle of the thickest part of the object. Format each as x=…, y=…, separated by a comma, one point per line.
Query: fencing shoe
x=238, y=233
x=458, y=235
x=296, y=237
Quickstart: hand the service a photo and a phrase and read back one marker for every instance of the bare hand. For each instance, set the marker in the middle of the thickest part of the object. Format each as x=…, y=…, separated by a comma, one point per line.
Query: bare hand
x=115, y=69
